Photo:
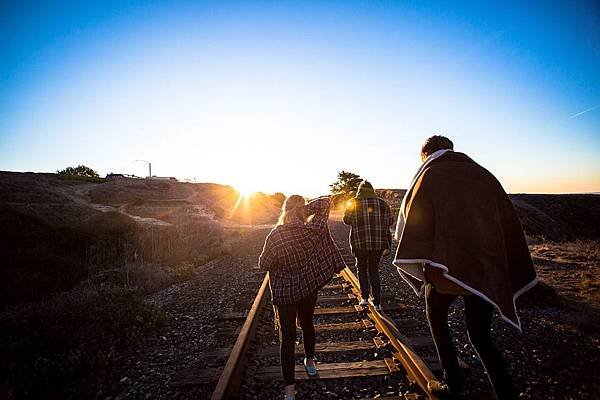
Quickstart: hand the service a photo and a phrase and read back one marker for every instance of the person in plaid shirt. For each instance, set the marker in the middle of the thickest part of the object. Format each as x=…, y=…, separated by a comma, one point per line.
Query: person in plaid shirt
x=370, y=219
x=301, y=257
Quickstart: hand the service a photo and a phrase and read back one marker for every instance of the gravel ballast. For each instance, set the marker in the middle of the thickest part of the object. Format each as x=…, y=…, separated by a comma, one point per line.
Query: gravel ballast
x=557, y=356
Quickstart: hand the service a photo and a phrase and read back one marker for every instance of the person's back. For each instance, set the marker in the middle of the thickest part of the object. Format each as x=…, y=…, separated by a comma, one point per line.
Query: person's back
x=459, y=235
x=300, y=256
x=370, y=219
x=464, y=223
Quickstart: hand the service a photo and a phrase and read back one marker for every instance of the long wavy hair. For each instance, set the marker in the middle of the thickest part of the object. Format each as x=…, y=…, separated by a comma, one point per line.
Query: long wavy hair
x=292, y=210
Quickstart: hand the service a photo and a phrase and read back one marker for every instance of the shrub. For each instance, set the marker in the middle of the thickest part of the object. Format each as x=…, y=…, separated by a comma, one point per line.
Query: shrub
x=80, y=170
x=346, y=183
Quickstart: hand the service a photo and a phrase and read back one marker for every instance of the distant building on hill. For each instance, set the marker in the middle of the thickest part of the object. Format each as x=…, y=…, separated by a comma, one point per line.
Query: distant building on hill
x=117, y=177
x=163, y=178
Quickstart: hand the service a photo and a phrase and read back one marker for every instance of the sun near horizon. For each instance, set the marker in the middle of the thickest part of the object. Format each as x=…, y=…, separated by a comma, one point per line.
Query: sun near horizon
x=280, y=97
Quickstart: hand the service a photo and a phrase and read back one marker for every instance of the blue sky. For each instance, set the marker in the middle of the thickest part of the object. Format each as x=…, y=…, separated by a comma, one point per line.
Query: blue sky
x=279, y=96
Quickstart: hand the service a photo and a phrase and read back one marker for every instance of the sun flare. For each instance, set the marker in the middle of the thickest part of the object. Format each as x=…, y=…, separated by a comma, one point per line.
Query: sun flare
x=245, y=193
x=244, y=190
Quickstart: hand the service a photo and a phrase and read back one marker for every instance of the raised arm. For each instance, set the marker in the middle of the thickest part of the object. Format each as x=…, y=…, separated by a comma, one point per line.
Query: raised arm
x=319, y=209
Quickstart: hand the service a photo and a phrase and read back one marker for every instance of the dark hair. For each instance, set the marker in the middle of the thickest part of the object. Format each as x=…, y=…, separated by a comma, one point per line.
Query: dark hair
x=435, y=143
x=365, y=184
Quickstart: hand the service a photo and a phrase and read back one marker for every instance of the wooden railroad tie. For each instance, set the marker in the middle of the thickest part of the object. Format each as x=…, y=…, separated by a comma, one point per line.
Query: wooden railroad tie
x=352, y=309
x=336, y=286
x=321, y=300
x=224, y=332
x=328, y=347
x=233, y=316
x=331, y=370
x=364, y=324
x=344, y=326
x=196, y=376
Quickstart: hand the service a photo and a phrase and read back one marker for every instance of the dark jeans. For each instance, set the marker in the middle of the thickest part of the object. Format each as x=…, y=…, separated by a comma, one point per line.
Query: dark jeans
x=478, y=315
x=367, y=262
x=304, y=310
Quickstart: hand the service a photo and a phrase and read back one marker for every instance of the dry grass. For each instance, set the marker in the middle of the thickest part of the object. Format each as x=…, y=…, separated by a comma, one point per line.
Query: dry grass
x=572, y=269
x=589, y=249
x=43, y=259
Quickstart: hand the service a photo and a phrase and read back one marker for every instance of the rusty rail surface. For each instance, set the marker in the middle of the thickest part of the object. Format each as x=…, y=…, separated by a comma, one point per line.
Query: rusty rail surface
x=230, y=377
x=416, y=368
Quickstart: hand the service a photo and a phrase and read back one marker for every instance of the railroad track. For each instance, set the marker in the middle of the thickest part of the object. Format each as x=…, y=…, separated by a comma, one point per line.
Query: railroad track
x=353, y=344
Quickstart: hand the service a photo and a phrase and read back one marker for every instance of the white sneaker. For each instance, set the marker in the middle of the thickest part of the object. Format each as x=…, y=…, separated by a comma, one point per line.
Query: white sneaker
x=363, y=303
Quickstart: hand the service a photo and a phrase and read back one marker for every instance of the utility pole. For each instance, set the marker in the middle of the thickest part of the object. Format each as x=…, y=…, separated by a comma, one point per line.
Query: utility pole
x=149, y=167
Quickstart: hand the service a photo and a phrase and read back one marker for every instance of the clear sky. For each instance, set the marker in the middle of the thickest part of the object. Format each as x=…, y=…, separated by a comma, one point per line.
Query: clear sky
x=279, y=96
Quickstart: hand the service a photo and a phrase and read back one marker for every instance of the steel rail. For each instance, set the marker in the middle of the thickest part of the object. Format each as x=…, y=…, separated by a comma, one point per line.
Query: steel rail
x=417, y=369
x=230, y=377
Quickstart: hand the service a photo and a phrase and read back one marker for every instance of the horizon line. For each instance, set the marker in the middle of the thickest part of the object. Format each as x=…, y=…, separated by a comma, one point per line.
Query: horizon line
x=593, y=192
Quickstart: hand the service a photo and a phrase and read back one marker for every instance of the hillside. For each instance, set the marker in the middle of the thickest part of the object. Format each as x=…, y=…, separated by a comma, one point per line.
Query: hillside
x=559, y=217
x=59, y=231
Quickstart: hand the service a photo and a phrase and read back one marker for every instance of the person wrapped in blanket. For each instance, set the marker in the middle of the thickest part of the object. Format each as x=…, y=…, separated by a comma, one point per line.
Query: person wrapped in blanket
x=300, y=257
x=459, y=236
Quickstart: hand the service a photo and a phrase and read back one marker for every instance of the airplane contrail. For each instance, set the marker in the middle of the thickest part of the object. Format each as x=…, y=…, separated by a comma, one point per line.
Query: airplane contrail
x=584, y=111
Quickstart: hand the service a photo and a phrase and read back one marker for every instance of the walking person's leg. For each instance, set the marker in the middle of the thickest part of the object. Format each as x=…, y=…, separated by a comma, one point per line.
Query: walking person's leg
x=287, y=339
x=374, y=261
x=437, y=306
x=306, y=310
x=362, y=264
x=478, y=313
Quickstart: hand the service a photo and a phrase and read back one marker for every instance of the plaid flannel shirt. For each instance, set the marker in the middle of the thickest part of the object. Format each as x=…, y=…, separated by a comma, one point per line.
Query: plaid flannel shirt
x=301, y=258
x=370, y=219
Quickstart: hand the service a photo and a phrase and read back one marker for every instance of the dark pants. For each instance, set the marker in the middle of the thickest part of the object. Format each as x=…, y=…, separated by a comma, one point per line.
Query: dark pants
x=304, y=310
x=367, y=262
x=478, y=315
